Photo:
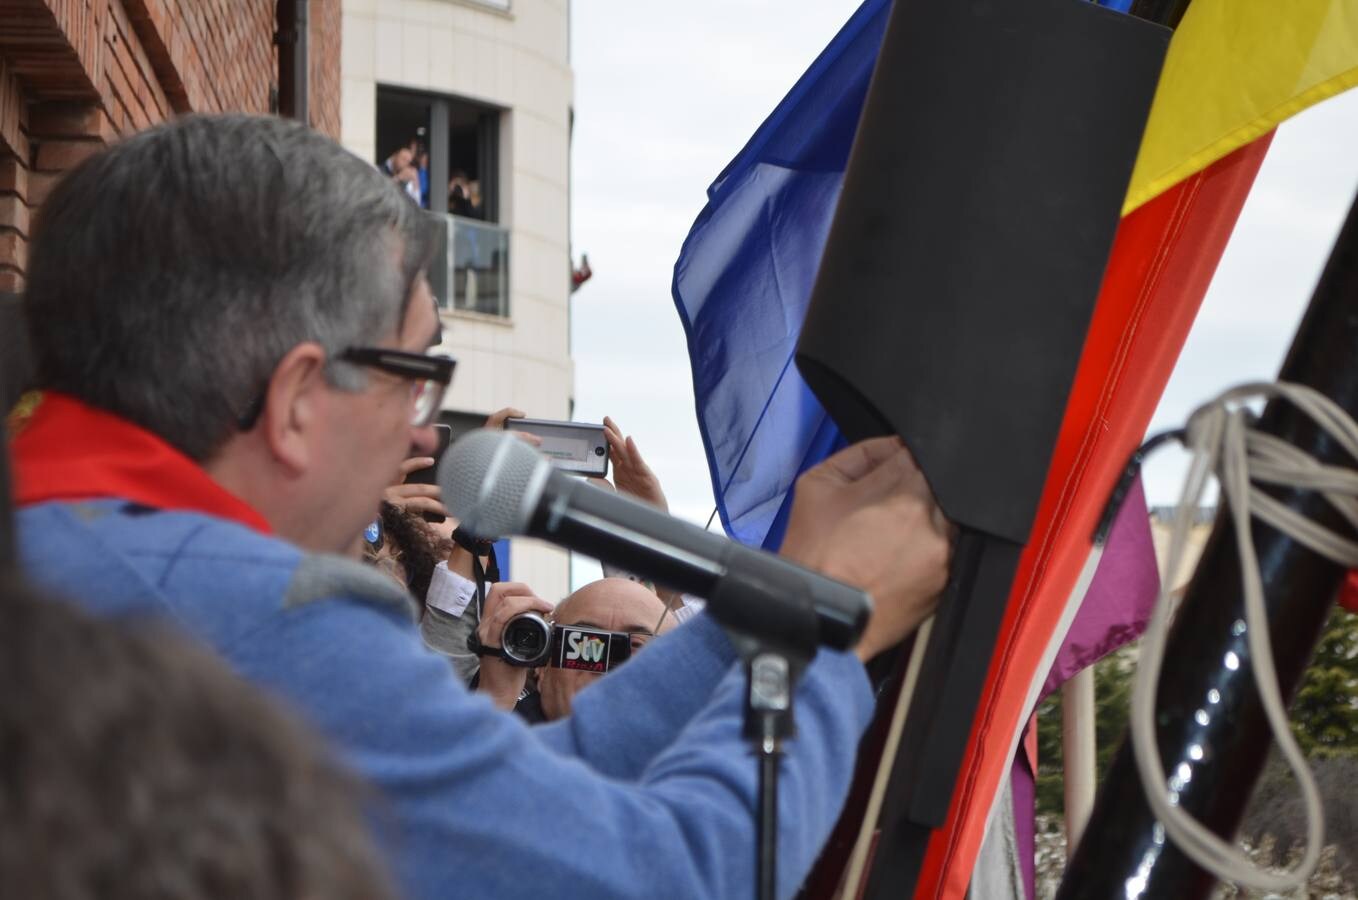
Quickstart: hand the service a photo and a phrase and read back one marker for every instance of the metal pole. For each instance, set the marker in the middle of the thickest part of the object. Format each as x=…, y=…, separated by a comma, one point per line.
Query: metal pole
x=293, y=60
x=1211, y=729
x=301, y=64
x=1078, y=752
x=439, y=152
x=768, y=719
x=767, y=879
x=15, y=371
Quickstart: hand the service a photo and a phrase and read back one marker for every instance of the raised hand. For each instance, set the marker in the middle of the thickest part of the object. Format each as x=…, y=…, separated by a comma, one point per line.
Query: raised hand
x=866, y=517
x=497, y=419
x=415, y=497
x=631, y=475
x=505, y=600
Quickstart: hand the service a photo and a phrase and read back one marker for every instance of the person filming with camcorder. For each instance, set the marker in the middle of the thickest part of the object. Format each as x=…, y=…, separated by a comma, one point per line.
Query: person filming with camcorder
x=591, y=632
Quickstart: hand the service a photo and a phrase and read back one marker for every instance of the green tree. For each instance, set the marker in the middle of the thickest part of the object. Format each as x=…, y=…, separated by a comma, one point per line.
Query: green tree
x=1325, y=711
x=1112, y=701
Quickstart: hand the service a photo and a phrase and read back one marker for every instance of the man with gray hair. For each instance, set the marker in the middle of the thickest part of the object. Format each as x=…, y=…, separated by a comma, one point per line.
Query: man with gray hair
x=230, y=320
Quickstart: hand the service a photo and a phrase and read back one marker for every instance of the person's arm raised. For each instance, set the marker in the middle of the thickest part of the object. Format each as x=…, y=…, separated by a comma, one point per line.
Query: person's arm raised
x=415, y=497
x=631, y=475
x=866, y=516
x=499, y=680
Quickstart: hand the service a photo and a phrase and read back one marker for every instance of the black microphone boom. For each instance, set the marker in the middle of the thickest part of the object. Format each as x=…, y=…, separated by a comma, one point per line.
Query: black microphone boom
x=493, y=482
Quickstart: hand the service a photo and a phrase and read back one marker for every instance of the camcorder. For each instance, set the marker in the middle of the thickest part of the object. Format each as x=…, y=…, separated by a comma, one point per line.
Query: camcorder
x=531, y=641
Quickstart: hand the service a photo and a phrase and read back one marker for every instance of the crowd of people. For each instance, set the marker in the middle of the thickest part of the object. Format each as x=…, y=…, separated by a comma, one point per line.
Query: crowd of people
x=455, y=600
x=408, y=166
x=230, y=388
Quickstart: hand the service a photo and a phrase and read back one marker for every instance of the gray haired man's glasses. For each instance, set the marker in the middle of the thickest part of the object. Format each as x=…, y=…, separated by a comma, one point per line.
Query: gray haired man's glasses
x=429, y=377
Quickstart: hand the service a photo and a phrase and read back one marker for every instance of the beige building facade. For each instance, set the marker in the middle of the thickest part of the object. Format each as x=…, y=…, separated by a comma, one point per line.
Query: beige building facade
x=484, y=87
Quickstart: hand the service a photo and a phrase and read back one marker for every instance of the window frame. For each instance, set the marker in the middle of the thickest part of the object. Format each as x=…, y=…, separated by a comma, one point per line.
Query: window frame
x=489, y=135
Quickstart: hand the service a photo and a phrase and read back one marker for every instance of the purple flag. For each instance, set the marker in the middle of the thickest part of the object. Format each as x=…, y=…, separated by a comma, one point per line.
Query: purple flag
x=1118, y=604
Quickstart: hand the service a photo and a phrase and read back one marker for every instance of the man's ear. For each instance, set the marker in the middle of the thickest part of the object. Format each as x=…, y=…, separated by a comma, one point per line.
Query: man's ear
x=292, y=408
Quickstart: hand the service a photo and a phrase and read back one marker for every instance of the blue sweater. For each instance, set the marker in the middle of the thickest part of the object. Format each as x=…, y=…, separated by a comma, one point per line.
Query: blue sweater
x=647, y=789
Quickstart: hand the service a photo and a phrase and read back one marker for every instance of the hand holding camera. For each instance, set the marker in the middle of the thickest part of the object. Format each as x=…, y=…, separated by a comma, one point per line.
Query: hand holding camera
x=501, y=417
x=506, y=600
x=415, y=489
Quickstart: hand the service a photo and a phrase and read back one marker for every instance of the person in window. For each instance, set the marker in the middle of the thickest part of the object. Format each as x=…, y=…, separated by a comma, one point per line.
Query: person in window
x=474, y=199
x=422, y=166
x=459, y=194
x=398, y=161
x=409, y=180
x=402, y=165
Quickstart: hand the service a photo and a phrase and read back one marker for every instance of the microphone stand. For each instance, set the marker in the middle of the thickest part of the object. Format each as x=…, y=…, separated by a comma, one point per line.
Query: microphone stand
x=772, y=671
x=775, y=629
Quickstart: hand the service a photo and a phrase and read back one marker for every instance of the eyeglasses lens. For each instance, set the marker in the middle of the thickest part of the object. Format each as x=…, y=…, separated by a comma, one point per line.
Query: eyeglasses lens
x=428, y=396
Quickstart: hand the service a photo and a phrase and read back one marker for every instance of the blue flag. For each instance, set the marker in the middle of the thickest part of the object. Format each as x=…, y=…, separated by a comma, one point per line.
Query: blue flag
x=744, y=277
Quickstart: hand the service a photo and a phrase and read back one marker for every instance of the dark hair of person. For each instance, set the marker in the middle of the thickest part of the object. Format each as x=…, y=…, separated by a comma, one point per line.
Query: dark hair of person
x=171, y=272
x=134, y=766
x=418, y=548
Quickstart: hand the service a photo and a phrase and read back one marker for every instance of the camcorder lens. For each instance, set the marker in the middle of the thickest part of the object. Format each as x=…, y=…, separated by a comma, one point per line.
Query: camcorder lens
x=527, y=639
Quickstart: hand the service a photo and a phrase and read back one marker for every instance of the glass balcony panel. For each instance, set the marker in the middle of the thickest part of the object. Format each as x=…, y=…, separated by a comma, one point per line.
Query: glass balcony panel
x=478, y=266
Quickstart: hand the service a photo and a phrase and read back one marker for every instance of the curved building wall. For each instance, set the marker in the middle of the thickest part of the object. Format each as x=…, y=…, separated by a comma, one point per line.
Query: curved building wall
x=509, y=59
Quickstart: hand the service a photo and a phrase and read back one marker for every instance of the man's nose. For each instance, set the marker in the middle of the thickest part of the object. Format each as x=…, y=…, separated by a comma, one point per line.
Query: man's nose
x=424, y=440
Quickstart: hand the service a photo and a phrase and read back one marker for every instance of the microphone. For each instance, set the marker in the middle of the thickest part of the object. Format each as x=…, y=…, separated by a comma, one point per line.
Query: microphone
x=496, y=485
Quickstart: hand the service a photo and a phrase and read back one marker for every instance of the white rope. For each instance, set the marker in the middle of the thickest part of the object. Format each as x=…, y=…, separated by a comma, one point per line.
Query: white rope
x=1222, y=443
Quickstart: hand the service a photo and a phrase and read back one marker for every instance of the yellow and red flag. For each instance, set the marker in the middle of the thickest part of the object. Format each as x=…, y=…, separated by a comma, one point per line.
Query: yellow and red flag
x=1235, y=70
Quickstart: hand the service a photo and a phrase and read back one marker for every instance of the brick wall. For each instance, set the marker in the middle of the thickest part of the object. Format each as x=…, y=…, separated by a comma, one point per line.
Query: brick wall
x=324, y=38
x=14, y=210
x=76, y=74
x=210, y=55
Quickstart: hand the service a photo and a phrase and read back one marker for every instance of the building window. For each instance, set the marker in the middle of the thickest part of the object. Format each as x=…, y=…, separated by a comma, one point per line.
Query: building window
x=445, y=152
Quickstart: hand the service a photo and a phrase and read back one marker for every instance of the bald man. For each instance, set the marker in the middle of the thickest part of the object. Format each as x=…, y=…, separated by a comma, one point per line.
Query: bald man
x=610, y=604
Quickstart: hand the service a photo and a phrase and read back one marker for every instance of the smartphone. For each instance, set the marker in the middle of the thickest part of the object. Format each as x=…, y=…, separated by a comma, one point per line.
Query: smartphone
x=430, y=475
x=574, y=447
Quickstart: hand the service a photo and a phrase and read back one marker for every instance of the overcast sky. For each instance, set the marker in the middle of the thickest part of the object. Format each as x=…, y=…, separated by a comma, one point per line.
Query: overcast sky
x=667, y=93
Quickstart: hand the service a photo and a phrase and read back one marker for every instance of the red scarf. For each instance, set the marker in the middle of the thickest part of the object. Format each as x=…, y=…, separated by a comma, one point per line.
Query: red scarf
x=68, y=450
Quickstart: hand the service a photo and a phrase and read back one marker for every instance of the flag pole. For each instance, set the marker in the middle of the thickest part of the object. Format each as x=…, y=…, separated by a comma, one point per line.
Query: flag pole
x=1078, y=751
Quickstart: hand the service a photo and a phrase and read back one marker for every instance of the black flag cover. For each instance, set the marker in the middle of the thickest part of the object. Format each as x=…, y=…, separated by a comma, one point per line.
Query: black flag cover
x=952, y=302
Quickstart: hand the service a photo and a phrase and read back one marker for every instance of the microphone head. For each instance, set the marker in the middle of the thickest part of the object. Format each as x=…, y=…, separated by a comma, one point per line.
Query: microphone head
x=491, y=482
